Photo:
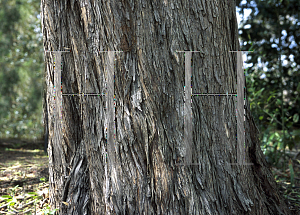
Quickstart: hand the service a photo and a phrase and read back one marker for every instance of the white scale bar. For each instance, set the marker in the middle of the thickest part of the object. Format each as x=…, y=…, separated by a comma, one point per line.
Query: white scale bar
x=110, y=108
x=57, y=51
x=188, y=51
x=188, y=125
x=188, y=135
x=240, y=110
x=213, y=94
x=109, y=96
x=57, y=98
x=82, y=94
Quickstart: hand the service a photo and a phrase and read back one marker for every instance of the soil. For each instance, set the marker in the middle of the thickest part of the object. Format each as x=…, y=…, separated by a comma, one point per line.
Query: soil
x=23, y=169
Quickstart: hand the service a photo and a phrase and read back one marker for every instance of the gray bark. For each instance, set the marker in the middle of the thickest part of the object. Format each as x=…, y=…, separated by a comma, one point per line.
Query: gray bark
x=149, y=111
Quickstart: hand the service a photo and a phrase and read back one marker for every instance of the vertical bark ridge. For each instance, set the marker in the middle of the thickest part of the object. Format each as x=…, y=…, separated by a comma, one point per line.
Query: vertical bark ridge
x=149, y=92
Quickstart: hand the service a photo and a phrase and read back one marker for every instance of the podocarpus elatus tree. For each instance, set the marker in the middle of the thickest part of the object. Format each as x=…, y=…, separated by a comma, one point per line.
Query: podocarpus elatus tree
x=143, y=173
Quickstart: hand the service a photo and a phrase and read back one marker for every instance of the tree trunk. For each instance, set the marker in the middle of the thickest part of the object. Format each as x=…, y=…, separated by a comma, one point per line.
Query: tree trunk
x=143, y=173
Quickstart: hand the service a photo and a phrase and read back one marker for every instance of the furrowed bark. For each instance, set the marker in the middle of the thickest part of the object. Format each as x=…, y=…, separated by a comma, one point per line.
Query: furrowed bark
x=149, y=111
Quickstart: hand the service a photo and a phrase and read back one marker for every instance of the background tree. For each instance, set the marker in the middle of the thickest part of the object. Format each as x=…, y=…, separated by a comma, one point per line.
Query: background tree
x=21, y=70
x=272, y=30
x=149, y=83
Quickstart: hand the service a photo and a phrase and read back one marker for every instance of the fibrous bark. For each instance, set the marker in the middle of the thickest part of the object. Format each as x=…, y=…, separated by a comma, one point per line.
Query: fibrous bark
x=149, y=110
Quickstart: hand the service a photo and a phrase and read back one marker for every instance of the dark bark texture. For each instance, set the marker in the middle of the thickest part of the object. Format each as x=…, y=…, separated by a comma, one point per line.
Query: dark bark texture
x=149, y=110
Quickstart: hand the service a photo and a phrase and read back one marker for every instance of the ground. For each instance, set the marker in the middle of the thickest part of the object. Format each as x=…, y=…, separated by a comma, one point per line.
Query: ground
x=24, y=179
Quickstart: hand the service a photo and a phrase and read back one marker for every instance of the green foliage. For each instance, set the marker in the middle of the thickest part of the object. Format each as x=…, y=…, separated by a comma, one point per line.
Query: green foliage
x=49, y=211
x=29, y=199
x=13, y=190
x=273, y=78
x=19, y=202
x=21, y=74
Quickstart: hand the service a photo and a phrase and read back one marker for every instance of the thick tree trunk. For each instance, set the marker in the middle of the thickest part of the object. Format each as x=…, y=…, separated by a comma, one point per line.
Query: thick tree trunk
x=149, y=95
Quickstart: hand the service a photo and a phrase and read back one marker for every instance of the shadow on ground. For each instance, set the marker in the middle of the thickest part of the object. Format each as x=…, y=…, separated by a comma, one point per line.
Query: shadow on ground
x=23, y=170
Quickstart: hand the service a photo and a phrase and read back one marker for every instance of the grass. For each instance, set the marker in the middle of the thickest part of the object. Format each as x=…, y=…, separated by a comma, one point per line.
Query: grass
x=24, y=187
